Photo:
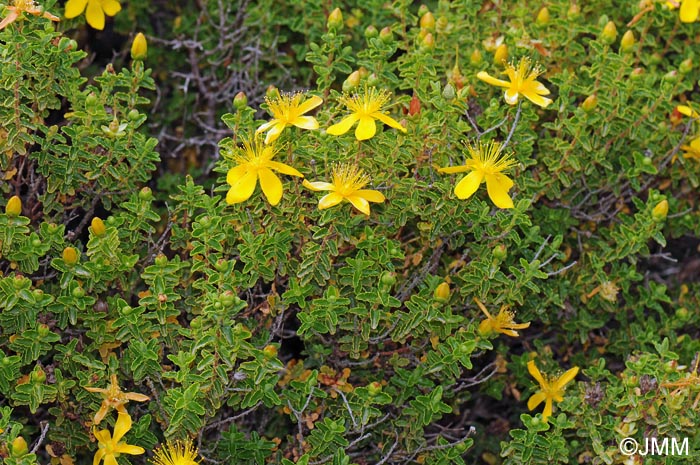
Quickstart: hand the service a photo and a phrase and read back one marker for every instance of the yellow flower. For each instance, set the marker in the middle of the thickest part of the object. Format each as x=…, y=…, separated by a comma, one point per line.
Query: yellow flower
x=692, y=150
x=24, y=6
x=110, y=447
x=551, y=390
x=95, y=11
x=503, y=322
x=365, y=108
x=486, y=165
x=255, y=162
x=522, y=80
x=179, y=453
x=348, y=183
x=288, y=110
x=687, y=111
x=113, y=397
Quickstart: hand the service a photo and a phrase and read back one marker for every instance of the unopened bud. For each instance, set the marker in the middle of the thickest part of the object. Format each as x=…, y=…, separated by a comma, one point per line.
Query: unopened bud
x=272, y=93
x=686, y=66
x=442, y=292
x=609, y=33
x=590, y=103
x=38, y=376
x=627, y=42
x=543, y=16
x=671, y=76
x=98, y=226
x=414, y=106
x=476, y=57
x=423, y=9
x=636, y=73
x=442, y=23
x=427, y=21
x=70, y=256
x=385, y=35
x=371, y=32
x=501, y=54
x=500, y=252
x=448, y=93
x=139, y=47
x=352, y=81
x=660, y=211
x=335, y=19
x=270, y=351
x=574, y=11
x=14, y=206
x=240, y=101
x=428, y=42
x=19, y=447
x=373, y=80
x=146, y=194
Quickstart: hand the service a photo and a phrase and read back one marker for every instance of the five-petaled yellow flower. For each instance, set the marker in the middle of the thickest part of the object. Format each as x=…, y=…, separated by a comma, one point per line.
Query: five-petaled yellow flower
x=522, y=80
x=689, y=9
x=177, y=453
x=95, y=11
x=113, y=397
x=348, y=183
x=288, y=110
x=502, y=323
x=365, y=108
x=550, y=389
x=486, y=164
x=109, y=447
x=24, y=6
x=255, y=163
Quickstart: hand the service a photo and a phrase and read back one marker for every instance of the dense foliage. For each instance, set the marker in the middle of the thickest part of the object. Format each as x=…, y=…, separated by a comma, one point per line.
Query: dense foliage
x=382, y=233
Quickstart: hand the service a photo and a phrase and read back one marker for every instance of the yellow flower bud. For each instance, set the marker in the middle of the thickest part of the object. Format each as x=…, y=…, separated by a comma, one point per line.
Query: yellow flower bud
x=19, y=447
x=590, y=103
x=543, y=16
x=627, y=42
x=98, y=226
x=139, y=48
x=442, y=292
x=70, y=256
x=427, y=21
x=476, y=57
x=335, y=19
x=609, y=33
x=352, y=81
x=501, y=54
x=14, y=206
x=660, y=211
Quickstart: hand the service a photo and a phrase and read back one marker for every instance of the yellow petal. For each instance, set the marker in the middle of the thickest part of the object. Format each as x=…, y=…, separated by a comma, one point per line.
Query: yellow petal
x=75, y=8
x=305, y=122
x=103, y=436
x=454, y=169
x=310, y=104
x=111, y=7
x=318, y=186
x=98, y=456
x=487, y=78
x=687, y=111
x=243, y=188
x=535, y=400
x=110, y=459
x=344, y=126
x=547, y=409
x=689, y=11
x=270, y=185
x=366, y=128
x=511, y=95
x=137, y=397
x=283, y=168
x=99, y=416
x=359, y=203
x=388, y=120
x=565, y=378
x=265, y=126
x=122, y=425
x=274, y=132
x=9, y=19
x=498, y=191
x=129, y=449
x=371, y=195
x=537, y=99
x=329, y=200
x=94, y=15
x=468, y=185
x=235, y=174
x=535, y=372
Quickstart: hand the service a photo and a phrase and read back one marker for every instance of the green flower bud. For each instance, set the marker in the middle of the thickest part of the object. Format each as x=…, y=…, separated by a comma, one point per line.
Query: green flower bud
x=371, y=32
x=240, y=101
x=146, y=194
x=448, y=93
x=386, y=36
x=686, y=66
